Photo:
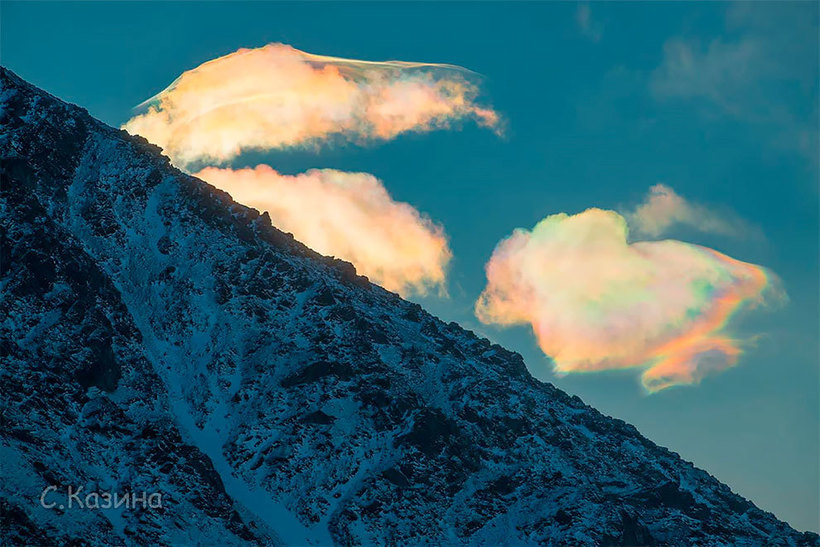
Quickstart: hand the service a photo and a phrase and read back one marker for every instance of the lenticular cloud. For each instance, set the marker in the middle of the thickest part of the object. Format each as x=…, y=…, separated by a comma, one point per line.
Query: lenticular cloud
x=277, y=97
x=349, y=215
x=597, y=302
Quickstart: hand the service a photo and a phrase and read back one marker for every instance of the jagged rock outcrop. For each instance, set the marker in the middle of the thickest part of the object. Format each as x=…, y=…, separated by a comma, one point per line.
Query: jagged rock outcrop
x=157, y=337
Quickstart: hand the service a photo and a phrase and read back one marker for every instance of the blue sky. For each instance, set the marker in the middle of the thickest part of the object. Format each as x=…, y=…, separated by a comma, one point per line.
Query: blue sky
x=597, y=110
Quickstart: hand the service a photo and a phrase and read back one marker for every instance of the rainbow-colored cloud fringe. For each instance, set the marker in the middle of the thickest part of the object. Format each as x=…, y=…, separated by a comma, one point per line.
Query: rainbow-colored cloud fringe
x=597, y=302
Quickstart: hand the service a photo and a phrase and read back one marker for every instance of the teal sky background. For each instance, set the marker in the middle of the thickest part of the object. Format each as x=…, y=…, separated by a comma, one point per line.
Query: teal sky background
x=585, y=127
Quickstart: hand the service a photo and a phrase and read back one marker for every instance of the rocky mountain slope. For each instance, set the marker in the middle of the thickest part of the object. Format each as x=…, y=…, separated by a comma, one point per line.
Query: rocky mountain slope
x=157, y=337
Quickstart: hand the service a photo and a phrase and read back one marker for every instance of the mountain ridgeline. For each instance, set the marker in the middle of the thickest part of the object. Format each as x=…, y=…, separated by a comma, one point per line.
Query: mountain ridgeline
x=157, y=338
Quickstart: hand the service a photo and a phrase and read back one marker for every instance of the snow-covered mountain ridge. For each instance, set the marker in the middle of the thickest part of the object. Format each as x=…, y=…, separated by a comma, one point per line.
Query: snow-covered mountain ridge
x=158, y=337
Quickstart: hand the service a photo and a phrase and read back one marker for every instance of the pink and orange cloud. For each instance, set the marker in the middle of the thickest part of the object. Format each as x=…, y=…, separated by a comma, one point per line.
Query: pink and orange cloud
x=278, y=97
x=597, y=302
x=348, y=215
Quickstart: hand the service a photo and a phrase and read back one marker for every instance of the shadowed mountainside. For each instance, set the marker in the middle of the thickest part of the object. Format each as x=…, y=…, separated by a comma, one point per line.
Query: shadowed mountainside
x=156, y=336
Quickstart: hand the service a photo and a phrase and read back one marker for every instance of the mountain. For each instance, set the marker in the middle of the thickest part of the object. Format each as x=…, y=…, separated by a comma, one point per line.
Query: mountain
x=161, y=342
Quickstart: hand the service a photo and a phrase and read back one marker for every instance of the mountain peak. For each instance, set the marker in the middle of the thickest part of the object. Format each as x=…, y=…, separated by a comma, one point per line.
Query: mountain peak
x=160, y=338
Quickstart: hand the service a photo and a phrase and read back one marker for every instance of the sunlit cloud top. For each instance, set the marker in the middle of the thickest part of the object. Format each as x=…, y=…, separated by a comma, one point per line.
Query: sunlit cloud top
x=348, y=215
x=277, y=97
x=597, y=302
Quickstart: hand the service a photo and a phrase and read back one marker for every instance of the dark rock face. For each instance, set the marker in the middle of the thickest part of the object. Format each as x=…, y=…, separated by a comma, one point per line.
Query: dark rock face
x=155, y=336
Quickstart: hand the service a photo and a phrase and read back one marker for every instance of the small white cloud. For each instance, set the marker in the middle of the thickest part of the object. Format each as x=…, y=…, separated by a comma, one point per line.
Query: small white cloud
x=663, y=209
x=762, y=71
x=589, y=27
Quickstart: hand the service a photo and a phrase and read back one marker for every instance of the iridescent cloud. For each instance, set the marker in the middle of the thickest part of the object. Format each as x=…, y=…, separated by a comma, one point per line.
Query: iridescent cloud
x=277, y=96
x=663, y=209
x=597, y=302
x=348, y=215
